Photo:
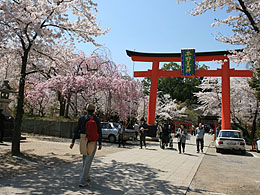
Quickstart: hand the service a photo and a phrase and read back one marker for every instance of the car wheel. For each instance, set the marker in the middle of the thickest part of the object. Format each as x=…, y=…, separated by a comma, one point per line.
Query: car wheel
x=112, y=138
x=243, y=152
x=217, y=150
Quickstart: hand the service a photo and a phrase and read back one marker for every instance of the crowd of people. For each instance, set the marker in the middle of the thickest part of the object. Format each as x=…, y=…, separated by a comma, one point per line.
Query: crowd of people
x=165, y=133
x=89, y=131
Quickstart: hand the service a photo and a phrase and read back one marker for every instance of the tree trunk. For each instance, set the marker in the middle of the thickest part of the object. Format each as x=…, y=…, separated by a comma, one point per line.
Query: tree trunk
x=16, y=134
x=76, y=106
x=109, y=105
x=67, y=108
x=254, y=122
x=62, y=104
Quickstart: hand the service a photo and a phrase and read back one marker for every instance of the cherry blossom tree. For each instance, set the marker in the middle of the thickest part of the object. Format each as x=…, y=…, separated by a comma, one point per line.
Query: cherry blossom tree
x=38, y=97
x=244, y=104
x=210, y=96
x=143, y=106
x=81, y=79
x=126, y=94
x=243, y=20
x=34, y=28
x=168, y=109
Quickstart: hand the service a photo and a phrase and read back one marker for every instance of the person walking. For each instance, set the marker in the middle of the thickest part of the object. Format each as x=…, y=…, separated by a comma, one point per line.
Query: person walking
x=2, y=125
x=121, y=134
x=200, y=131
x=193, y=130
x=181, y=138
x=136, y=128
x=85, y=130
x=142, y=131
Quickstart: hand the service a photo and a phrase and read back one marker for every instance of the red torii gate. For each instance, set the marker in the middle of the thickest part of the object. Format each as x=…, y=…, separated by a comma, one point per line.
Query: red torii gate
x=225, y=73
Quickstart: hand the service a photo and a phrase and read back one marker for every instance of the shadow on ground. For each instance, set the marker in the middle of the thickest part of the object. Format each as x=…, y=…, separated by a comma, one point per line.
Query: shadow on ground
x=236, y=153
x=107, y=178
x=26, y=163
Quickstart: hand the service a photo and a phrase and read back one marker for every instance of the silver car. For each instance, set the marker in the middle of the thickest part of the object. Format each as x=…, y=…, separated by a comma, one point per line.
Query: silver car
x=110, y=131
x=258, y=145
x=230, y=140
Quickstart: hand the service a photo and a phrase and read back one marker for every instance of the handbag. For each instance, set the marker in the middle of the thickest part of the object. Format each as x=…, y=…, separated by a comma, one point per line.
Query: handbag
x=83, y=144
x=86, y=147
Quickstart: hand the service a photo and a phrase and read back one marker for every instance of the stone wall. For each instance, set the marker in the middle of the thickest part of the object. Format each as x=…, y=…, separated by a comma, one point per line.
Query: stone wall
x=50, y=128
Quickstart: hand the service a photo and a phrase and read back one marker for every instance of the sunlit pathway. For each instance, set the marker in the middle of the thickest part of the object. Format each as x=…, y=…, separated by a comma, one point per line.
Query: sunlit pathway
x=133, y=171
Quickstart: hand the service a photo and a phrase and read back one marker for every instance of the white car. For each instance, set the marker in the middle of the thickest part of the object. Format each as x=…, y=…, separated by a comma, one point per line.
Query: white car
x=230, y=140
x=258, y=145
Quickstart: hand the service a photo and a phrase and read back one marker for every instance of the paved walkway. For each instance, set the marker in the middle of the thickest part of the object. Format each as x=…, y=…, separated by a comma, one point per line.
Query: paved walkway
x=133, y=171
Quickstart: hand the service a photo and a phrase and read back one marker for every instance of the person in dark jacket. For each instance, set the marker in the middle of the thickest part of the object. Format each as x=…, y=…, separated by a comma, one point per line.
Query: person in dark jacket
x=81, y=132
x=2, y=125
x=121, y=133
x=142, y=130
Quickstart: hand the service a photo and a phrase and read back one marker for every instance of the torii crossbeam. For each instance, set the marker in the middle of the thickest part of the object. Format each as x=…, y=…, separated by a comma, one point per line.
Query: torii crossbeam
x=225, y=73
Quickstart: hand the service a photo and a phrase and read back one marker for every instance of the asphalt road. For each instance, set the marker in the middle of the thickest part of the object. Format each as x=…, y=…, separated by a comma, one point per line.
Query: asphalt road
x=227, y=173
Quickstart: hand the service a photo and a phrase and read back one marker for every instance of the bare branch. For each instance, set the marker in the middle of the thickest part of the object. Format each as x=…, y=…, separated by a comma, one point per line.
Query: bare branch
x=44, y=54
x=249, y=16
x=31, y=72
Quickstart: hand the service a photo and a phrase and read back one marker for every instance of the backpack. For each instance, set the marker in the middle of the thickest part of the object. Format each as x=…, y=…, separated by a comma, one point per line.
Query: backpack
x=91, y=129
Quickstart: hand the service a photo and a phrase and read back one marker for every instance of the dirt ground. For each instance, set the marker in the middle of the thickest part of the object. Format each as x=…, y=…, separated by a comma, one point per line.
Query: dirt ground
x=227, y=173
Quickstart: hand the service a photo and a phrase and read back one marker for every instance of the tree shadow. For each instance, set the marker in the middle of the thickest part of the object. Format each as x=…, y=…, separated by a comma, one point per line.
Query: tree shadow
x=106, y=178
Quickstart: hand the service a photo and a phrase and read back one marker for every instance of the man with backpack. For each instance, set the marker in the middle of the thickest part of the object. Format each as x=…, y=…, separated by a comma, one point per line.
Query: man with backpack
x=89, y=131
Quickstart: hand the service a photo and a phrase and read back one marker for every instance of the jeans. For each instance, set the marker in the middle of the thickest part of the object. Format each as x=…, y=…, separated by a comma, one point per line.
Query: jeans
x=87, y=161
x=200, y=144
x=121, y=140
x=142, y=140
x=181, y=144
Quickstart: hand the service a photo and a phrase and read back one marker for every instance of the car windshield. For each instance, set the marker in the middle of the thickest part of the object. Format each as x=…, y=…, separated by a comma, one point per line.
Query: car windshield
x=116, y=125
x=233, y=134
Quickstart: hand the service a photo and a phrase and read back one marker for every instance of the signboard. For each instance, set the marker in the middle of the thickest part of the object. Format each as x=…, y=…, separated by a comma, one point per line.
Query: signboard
x=188, y=62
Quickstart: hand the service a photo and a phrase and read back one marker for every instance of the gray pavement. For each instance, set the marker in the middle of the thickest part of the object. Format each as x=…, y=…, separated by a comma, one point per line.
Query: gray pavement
x=132, y=171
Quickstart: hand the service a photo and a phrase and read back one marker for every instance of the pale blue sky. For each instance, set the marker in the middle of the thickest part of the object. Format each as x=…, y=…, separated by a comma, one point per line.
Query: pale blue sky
x=155, y=26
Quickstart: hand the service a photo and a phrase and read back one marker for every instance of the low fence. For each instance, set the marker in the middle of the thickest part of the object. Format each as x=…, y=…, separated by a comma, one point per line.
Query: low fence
x=51, y=128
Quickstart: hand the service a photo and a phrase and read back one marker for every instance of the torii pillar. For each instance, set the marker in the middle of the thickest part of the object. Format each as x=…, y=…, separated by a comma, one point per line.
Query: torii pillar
x=225, y=73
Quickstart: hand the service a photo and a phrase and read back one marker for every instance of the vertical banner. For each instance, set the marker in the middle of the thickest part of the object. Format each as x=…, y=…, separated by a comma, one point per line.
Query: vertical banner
x=188, y=62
